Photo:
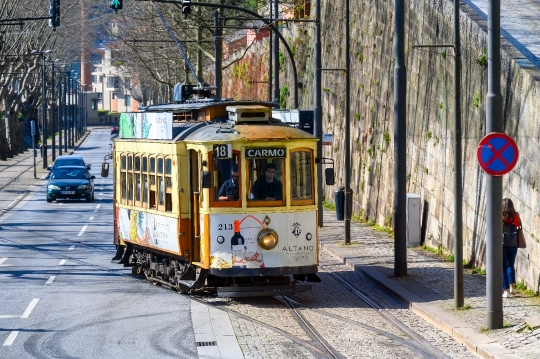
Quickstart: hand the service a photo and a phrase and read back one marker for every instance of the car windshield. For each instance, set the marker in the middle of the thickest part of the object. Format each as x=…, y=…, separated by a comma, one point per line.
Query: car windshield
x=68, y=162
x=69, y=174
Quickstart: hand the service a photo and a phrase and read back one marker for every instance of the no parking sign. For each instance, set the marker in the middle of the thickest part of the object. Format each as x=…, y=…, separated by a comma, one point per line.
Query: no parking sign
x=497, y=154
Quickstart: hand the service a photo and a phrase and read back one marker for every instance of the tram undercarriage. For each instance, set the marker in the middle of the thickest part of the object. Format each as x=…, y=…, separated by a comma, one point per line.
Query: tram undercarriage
x=177, y=273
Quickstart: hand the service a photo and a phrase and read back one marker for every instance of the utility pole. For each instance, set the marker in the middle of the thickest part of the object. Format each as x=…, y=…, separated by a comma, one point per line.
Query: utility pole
x=276, y=56
x=494, y=123
x=53, y=129
x=218, y=54
x=317, y=111
x=458, y=165
x=43, y=113
x=400, y=146
x=347, y=146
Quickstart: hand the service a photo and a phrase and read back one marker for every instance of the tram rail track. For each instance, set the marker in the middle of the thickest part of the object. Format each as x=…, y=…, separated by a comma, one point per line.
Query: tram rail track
x=317, y=345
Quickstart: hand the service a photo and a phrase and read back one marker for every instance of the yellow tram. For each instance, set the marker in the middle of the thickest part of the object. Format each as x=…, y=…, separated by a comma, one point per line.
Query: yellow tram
x=216, y=195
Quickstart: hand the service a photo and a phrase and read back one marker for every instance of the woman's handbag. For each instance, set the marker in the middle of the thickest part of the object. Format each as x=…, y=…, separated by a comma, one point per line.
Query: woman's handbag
x=521, y=237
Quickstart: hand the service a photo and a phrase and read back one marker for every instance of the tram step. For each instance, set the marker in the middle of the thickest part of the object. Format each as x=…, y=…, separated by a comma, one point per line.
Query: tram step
x=262, y=291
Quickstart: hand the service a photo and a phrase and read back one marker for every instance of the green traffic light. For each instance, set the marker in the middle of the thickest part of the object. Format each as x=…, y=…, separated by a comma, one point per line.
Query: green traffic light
x=116, y=4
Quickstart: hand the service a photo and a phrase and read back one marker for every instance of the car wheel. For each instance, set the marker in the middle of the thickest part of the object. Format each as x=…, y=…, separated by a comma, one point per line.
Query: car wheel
x=49, y=200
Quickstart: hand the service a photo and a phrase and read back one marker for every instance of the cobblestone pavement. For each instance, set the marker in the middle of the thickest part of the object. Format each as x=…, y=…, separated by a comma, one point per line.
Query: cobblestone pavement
x=431, y=278
x=362, y=333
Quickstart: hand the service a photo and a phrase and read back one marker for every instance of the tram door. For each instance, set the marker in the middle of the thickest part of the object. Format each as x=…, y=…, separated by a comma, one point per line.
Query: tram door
x=195, y=185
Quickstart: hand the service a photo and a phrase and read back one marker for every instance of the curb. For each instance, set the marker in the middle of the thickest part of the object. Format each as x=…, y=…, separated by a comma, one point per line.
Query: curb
x=13, y=203
x=479, y=343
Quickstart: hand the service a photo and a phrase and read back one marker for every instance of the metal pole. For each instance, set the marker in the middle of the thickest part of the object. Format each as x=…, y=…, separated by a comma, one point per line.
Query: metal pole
x=76, y=123
x=53, y=122
x=60, y=114
x=276, y=57
x=494, y=123
x=33, y=125
x=66, y=113
x=44, y=113
x=347, y=147
x=71, y=112
x=270, y=54
x=458, y=165
x=217, y=51
x=400, y=147
x=317, y=113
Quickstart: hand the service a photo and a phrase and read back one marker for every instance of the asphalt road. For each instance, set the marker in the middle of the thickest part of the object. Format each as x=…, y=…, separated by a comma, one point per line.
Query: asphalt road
x=61, y=295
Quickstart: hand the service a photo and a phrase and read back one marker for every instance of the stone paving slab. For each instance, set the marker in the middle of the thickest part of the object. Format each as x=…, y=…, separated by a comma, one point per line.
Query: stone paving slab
x=428, y=291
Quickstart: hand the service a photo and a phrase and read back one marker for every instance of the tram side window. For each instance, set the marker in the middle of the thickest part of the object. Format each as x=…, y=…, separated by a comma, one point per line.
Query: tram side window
x=226, y=180
x=265, y=175
x=137, y=180
x=301, y=175
x=168, y=185
x=123, y=169
x=152, y=175
x=144, y=181
x=160, y=184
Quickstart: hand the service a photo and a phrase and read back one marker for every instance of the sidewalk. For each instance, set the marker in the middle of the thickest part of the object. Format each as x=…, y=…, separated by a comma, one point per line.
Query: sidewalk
x=428, y=290
x=17, y=174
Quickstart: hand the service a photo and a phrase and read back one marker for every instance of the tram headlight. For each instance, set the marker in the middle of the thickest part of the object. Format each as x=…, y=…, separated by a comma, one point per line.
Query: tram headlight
x=267, y=238
x=53, y=187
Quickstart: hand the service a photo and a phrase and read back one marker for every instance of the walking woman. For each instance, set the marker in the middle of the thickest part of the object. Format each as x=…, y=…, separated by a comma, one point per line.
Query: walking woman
x=510, y=220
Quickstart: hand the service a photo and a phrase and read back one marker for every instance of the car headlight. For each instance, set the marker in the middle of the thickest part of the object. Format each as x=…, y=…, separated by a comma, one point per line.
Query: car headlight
x=267, y=238
x=51, y=186
x=84, y=186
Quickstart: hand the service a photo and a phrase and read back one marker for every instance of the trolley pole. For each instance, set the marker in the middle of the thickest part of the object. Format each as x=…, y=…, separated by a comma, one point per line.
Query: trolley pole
x=400, y=147
x=494, y=123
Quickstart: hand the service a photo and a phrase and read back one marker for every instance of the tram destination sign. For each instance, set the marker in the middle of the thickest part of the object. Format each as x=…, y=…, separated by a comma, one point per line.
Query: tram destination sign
x=265, y=152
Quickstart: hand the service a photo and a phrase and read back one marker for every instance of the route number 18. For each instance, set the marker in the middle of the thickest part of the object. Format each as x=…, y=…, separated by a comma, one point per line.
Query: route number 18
x=223, y=151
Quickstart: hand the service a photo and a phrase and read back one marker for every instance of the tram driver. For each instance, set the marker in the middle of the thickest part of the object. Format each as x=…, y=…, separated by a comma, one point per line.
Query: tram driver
x=267, y=188
x=229, y=189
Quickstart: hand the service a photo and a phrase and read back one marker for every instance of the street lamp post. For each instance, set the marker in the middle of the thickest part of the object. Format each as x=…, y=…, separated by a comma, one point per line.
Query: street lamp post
x=53, y=107
x=43, y=105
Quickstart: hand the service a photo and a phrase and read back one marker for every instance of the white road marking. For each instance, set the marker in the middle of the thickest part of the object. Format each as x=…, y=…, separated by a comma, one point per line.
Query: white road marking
x=98, y=206
x=82, y=230
x=62, y=262
x=2, y=260
x=11, y=338
x=30, y=307
x=91, y=218
x=6, y=316
x=72, y=247
x=51, y=279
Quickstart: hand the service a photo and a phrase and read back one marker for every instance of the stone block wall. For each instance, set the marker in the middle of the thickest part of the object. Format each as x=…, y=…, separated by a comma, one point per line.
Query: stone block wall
x=430, y=115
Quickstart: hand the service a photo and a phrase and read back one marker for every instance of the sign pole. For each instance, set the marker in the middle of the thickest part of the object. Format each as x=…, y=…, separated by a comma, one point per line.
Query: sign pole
x=494, y=123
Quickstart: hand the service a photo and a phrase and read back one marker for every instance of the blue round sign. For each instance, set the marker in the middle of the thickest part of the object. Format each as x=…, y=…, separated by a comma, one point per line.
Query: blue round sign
x=497, y=153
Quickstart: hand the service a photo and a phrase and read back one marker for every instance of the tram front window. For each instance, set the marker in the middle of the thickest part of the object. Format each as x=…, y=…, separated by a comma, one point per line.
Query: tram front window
x=226, y=180
x=265, y=176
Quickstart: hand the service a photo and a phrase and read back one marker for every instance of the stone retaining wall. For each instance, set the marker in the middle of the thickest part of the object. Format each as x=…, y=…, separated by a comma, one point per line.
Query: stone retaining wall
x=430, y=116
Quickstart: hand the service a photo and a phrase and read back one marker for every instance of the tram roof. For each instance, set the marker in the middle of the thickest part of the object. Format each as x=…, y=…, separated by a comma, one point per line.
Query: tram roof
x=216, y=131
x=201, y=104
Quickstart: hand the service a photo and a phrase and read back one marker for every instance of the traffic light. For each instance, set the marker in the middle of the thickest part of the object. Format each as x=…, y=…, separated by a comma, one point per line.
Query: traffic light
x=116, y=5
x=54, y=13
x=186, y=7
